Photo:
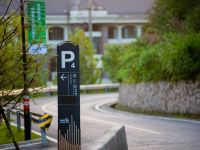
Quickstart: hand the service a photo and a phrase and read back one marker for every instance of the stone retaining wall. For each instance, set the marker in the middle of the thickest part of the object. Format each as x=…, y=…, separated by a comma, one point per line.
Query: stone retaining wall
x=180, y=97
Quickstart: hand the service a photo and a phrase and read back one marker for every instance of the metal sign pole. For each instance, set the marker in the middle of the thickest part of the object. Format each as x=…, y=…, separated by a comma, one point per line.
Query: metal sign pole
x=44, y=139
x=69, y=134
x=18, y=121
x=27, y=118
x=27, y=123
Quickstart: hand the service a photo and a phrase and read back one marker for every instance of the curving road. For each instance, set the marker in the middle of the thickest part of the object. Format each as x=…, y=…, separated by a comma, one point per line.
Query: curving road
x=143, y=132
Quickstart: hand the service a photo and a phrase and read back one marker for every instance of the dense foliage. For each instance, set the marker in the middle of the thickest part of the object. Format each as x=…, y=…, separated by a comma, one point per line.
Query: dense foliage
x=89, y=73
x=168, y=50
x=175, y=16
x=175, y=57
x=11, y=70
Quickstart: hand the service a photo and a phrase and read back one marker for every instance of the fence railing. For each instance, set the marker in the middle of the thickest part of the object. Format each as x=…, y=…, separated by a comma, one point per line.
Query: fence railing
x=54, y=88
x=34, y=116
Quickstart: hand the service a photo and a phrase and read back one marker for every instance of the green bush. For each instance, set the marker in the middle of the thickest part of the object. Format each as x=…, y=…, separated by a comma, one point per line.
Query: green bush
x=89, y=73
x=120, y=61
x=175, y=16
x=182, y=58
x=129, y=59
x=112, y=61
x=175, y=57
x=148, y=65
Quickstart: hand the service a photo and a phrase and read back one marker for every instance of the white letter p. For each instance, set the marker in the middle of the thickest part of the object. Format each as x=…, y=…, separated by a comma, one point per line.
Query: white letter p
x=64, y=59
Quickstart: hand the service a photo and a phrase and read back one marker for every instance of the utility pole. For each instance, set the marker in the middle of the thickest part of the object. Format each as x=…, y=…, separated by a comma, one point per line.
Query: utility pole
x=68, y=24
x=67, y=12
x=27, y=120
x=90, y=20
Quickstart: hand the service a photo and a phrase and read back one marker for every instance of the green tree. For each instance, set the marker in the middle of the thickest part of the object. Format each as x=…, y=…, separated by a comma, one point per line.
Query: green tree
x=89, y=73
x=175, y=57
x=11, y=70
x=169, y=50
x=11, y=64
x=175, y=16
x=112, y=61
x=181, y=57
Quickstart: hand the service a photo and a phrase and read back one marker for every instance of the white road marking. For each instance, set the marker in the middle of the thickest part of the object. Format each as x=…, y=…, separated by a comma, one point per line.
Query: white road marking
x=102, y=121
x=48, y=137
x=23, y=146
x=38, y=133
x=117, y=124
x=182, y=120
x=98, y=107
x=48, y=111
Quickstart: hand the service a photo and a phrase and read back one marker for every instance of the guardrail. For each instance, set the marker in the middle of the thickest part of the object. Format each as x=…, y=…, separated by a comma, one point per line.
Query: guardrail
x=99, y=86
x=34, y=116
x=54, y=88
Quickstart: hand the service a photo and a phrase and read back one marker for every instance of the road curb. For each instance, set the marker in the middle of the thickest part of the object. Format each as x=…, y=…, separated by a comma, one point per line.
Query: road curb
x=11, y=146
x=108, y=109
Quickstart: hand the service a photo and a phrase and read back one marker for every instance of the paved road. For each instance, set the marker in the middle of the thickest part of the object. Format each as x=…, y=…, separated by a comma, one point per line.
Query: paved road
x=143, y=132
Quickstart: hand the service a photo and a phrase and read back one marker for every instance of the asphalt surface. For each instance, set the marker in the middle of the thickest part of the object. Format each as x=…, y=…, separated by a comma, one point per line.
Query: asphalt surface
x=49, y=146
x=143, y=132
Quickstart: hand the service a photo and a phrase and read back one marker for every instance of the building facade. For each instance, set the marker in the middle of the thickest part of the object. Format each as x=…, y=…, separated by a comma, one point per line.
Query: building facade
x=105, y=22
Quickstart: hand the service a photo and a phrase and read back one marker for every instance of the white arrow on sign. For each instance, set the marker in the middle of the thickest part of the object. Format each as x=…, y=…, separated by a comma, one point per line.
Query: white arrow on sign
x=63, y=77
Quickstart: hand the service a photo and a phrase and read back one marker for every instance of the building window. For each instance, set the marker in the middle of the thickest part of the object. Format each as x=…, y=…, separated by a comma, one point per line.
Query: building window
x=56, y=33
x=129, y=32
x=112, y=32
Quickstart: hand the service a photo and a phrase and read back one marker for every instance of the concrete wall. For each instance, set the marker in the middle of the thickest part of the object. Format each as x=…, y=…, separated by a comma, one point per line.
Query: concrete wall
x=180, y=97
x=114, y=139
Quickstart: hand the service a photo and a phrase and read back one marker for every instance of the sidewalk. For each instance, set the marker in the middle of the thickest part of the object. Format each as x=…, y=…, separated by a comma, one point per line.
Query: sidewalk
x=33, y=145
x=50, y=146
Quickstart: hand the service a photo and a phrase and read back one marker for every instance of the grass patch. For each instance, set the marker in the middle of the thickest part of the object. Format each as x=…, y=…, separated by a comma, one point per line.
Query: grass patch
x=5, y=137
x=155, y=113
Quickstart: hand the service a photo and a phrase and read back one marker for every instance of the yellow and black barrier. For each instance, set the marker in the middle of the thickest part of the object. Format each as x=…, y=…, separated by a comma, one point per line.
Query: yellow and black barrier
x=44, y=124
x=45, y=121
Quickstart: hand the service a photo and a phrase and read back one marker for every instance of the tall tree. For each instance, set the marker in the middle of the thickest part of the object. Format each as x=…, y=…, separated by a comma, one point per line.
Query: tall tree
x=175, y=16
x=88, y=64
x=11, y=64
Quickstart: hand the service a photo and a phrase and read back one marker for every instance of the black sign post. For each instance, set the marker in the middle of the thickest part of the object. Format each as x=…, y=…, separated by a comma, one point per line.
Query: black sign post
x=69, y=135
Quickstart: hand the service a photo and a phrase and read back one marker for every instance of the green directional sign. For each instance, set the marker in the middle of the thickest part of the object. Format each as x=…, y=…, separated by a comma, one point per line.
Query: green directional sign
x=36, y=26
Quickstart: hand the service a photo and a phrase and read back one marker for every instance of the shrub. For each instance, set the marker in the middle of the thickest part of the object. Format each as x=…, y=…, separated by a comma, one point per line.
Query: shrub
x=89, y=73
x=112, y=61
x=182, y=58
x=175, y=57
